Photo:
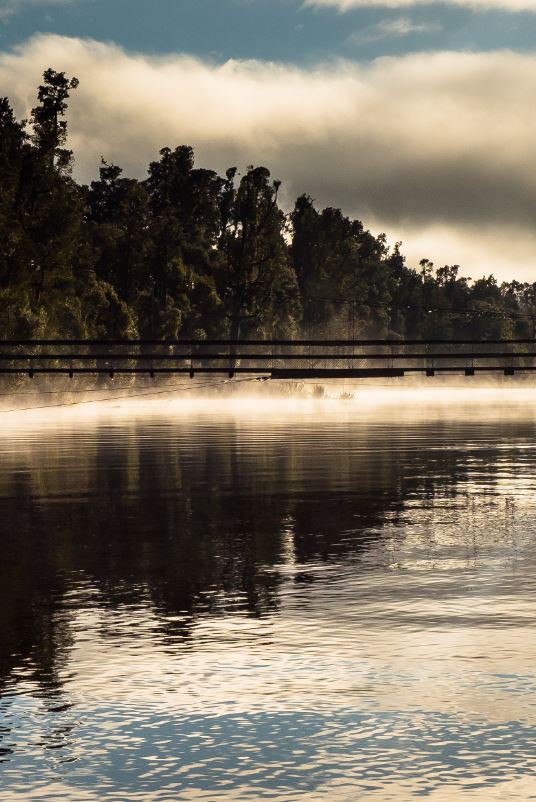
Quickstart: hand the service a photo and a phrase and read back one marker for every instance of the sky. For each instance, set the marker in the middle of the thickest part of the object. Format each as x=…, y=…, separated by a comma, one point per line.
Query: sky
x=416, y=117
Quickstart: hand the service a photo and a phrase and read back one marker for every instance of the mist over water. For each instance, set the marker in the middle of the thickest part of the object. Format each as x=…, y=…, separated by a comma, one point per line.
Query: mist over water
x=228, y=599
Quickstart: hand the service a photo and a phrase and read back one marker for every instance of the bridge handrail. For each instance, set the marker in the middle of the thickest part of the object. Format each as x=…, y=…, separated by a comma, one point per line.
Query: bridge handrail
x=318, y=357
x=238, y=343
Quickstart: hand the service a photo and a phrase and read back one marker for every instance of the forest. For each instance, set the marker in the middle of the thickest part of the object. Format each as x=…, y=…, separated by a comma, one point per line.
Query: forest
x=188, y=253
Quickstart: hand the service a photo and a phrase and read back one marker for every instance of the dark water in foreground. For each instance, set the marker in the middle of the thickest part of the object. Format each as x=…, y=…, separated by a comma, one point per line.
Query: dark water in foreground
x=326, y=604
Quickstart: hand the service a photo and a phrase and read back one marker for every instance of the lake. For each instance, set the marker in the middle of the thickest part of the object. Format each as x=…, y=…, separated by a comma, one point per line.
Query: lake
x=270, y=600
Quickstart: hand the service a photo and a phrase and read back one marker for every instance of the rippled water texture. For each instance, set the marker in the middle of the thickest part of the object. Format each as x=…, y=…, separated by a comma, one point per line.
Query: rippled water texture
x=309, y=601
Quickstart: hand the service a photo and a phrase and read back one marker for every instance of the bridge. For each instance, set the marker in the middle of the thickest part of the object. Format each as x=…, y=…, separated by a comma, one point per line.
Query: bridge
x=272, y=359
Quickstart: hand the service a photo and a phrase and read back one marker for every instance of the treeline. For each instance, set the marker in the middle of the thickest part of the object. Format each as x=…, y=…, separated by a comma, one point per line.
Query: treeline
x=189, y=253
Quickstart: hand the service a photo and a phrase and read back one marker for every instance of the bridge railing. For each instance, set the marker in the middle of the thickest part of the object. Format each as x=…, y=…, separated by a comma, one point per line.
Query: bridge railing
x=276, y=358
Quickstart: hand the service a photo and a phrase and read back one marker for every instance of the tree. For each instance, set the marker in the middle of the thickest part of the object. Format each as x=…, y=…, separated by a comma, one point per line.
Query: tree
x=42, y=213
x=189, y=253
x=257, y=284
x=13, y=154
x=119, y=220
x=343, y=272
x=49, y=127
x=185, y=228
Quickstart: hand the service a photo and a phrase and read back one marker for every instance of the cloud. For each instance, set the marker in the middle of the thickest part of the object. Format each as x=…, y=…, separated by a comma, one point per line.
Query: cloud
x=508, y=251
x=435, y=148
x=9, y=8
x=476, y=5
x=6, y=12
x=396, y=27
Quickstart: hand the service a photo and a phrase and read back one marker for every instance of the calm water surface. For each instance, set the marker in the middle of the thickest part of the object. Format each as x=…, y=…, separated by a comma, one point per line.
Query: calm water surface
x=323, y=603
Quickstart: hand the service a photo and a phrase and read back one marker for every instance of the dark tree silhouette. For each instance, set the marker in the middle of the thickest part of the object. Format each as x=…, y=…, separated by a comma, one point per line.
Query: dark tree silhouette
x=189, y=253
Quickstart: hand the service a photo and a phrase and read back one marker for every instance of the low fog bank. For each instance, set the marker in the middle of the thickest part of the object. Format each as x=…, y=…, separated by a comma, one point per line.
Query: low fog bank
x=214, y=395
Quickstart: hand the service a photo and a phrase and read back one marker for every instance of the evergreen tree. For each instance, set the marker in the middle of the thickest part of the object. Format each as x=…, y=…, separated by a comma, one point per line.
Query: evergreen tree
x=257, y=283
x=188, y=253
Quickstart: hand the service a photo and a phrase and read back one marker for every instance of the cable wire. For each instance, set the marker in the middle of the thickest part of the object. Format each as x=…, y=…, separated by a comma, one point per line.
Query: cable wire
x=80, y=391
x=132, y=395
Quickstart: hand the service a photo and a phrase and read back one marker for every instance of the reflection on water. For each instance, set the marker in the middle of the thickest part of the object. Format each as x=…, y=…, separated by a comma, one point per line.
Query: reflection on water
x=332, y=604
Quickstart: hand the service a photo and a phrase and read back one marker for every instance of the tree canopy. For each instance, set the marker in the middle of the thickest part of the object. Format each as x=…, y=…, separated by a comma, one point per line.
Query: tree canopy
x=189, y=253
